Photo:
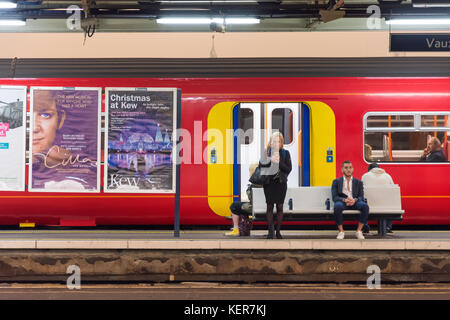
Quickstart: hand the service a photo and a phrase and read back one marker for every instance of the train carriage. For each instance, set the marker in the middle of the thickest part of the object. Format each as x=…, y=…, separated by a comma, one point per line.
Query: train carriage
x=329, y=111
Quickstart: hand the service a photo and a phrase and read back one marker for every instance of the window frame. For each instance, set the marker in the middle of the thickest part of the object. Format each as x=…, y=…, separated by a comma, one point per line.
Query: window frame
x=293, y=135
x=253, y=124
x=417, y=128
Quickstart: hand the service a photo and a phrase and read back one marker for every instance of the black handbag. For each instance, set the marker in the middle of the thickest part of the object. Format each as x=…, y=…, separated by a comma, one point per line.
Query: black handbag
x=257, y=177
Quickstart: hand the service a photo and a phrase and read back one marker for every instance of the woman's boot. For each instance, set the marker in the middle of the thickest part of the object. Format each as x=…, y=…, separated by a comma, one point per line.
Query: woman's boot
x=279, y=220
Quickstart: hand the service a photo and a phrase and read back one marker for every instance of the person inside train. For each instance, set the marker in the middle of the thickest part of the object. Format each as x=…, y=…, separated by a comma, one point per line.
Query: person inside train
x=433, y=152
x=242, y=208
x=378, y=176
x=276, y=165
x=348, y=194
x=368, y=152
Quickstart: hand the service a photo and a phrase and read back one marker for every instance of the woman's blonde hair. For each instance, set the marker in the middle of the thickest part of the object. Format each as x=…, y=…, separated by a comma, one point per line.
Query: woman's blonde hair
x=274, y=135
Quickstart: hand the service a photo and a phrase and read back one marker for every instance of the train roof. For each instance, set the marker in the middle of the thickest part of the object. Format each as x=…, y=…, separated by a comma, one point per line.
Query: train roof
x=225, y=67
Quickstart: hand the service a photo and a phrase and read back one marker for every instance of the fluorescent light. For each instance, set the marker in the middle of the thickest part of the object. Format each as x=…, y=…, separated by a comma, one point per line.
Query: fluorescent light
x=204, y=1
x=418, y=21
x=15, y=23
x=7, y=5
x=431, y=5
x=207, y=20
x=241, y=21
x=184, y=21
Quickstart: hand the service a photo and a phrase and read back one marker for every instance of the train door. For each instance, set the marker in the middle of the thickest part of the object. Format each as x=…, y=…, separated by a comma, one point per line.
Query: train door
x=253, y=124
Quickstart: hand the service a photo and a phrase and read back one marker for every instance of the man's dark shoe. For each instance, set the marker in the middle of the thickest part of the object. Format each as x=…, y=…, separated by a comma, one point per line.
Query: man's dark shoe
x=366, y=229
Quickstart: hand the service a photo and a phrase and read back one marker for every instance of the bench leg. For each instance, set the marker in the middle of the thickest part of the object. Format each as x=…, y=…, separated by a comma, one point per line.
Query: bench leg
x=382, y=227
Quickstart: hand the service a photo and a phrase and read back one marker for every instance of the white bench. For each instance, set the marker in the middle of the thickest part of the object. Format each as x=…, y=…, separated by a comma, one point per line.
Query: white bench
x=309, y=204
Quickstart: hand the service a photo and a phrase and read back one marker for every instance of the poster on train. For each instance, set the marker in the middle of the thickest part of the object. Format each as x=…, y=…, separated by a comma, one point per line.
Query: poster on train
x=13, y=111
x=65, y=139
x=140, y=127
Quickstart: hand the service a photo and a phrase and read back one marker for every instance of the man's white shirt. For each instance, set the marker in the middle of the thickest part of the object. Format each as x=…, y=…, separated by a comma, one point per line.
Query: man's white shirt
x=348, y=191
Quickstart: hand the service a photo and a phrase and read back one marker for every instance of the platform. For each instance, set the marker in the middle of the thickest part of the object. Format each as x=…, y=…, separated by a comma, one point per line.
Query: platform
x=156, y=256
x=215, y=239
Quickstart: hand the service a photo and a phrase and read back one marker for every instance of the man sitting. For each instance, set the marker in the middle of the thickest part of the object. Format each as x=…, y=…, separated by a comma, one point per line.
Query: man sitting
x=378, y=176
x=433, y=152
x=243, y=208
x=348, y=194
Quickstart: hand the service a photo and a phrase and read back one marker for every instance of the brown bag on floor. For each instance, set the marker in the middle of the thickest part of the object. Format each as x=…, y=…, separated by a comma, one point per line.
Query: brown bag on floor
x=245, y=225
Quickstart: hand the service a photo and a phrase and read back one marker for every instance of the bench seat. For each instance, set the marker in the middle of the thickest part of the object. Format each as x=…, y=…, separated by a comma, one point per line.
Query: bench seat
x=309, y=204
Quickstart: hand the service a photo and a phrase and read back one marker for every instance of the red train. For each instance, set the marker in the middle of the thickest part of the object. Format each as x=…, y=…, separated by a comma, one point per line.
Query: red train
x=325, y=120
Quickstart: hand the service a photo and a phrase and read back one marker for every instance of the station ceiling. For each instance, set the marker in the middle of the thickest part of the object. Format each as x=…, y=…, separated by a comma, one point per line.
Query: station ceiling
x=286, y=15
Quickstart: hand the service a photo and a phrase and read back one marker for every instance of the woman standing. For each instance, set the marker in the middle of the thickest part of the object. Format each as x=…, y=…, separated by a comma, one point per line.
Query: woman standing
x=275, y=187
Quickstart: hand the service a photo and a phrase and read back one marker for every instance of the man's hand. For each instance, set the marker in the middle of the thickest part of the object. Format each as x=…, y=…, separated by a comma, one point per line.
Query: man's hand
x=426, y=152
x=349, y=202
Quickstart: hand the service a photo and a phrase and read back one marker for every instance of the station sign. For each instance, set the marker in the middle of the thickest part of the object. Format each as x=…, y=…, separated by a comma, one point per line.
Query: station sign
x=420, y=42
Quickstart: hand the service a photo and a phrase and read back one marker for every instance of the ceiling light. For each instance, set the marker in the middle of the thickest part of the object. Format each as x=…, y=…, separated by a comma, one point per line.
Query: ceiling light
x=7, y=5
x=431, y=4
x=207, y=20
x=418, y=21
x=204, y=1
x=14, y=23
x=241, y=21
x=184, y=20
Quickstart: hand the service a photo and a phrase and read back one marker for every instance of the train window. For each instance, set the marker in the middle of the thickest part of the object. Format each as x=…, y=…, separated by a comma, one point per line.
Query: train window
x=387, y=121
x=282, y=122
x=402, y=137
x=246, y=124
x=435, y=121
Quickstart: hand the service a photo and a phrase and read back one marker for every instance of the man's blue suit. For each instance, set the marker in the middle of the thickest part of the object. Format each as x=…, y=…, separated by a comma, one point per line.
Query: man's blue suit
x=338, y=199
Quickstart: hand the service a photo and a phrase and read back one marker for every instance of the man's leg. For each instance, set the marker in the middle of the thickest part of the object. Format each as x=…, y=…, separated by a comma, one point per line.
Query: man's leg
x=364, y=213
x=338, y=217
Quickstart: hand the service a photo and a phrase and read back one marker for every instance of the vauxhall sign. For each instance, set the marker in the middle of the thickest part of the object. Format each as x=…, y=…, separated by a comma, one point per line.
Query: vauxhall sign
x=420, y=42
